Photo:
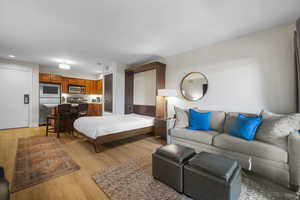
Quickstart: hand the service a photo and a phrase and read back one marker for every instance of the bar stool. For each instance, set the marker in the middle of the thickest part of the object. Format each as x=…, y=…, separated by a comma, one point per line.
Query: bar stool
x=82, y=110
x=63, y=115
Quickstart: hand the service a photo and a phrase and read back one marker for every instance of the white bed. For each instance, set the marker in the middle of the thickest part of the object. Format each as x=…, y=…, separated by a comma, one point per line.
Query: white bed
x=94, y=127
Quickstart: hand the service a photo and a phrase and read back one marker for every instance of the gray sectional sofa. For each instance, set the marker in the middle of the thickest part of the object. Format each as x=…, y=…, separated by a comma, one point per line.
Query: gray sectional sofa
x=278, y=163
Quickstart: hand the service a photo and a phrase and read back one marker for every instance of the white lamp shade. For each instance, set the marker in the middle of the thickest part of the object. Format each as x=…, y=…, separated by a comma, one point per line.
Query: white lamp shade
x=167, y=92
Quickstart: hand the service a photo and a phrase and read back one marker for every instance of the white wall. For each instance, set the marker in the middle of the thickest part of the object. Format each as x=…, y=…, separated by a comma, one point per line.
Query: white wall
x=34, y=96
x=245, y=74
x=119, y=90
x=144, y=91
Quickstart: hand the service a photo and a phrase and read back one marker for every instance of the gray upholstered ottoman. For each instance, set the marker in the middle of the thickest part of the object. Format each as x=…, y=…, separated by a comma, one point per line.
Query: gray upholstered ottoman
x=212, y=177
x=168, y=162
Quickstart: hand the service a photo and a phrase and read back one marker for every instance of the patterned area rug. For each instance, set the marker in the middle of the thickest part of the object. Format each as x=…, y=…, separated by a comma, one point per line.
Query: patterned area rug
x=133, y=180
x=39, y=159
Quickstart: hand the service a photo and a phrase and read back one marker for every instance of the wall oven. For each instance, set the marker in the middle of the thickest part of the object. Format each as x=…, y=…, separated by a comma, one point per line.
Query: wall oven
x=76, y=89
x=49, y=90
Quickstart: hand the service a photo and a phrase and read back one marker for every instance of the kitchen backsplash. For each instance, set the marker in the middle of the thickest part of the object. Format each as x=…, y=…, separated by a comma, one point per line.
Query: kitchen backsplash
x=89, y=97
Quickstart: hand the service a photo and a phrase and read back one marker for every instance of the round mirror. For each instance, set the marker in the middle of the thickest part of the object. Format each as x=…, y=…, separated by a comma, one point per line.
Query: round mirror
x=194, y=86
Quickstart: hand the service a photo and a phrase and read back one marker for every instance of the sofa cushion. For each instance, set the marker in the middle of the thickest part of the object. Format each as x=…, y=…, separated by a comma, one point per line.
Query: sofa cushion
x=205, y=137
x=231, y=118
x=276, y=128
x=217, y=119
x=253, y=148
x=182, y=117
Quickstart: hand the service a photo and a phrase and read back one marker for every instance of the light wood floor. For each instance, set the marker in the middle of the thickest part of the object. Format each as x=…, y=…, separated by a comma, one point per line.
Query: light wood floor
x=79, y=184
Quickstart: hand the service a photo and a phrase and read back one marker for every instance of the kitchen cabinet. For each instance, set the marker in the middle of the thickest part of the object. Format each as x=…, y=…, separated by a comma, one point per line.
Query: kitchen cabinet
x=55, y=78
x=44, y=77
x=88, y=86
x=64, y=85
x=99, y=87
x=95, y=110
x=50, y=78
x=92, y=86
x=76, y=81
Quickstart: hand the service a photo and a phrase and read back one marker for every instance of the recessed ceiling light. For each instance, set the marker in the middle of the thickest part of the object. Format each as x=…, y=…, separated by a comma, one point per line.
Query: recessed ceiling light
x=11, y=56
x=64, y=66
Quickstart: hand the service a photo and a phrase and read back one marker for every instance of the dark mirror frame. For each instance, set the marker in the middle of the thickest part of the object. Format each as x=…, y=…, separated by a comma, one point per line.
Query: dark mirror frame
x=204, y=92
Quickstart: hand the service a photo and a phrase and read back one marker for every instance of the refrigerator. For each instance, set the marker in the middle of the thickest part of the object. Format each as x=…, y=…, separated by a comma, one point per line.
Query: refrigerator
x=50, y=96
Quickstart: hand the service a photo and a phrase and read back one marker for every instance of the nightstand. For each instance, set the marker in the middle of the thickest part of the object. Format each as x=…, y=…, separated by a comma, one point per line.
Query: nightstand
x=162, y=126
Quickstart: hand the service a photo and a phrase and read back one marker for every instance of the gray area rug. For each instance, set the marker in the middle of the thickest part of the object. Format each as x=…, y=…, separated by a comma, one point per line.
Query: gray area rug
x=133, y=180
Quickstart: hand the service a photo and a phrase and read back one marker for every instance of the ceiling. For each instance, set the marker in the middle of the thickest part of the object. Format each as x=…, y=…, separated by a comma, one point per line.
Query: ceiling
x=86, y=32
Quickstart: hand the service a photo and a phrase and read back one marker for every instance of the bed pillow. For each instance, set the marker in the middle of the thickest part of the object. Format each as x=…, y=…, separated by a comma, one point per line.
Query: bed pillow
x=198, y=120
x=275, y=128
x=182, y=117
x=245, y=127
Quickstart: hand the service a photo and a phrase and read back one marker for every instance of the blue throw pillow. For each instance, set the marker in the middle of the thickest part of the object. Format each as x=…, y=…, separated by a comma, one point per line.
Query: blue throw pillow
x=245, y=127
x=199, y=121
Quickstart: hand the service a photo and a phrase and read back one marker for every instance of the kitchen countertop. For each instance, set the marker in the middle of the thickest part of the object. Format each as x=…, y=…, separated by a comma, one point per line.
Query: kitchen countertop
x=50, y=105
x=72, y=104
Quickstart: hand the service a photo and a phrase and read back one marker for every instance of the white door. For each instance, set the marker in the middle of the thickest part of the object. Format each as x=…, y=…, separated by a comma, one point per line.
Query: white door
x=15, y=82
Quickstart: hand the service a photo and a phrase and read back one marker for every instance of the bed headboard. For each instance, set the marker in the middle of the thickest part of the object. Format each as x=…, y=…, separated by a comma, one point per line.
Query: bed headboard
x=144, y=110
x=150, y=110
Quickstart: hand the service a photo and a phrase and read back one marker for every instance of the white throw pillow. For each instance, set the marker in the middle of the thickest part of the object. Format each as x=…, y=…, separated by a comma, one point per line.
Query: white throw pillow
x=182, y=117
x=275, y=128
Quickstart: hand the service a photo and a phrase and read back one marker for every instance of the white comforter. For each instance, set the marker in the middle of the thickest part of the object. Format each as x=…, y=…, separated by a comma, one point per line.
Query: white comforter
x=105, y=125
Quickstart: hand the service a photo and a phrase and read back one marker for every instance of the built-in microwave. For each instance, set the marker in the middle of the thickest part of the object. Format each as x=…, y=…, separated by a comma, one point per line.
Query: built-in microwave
x=49, y=90
x=76, y=89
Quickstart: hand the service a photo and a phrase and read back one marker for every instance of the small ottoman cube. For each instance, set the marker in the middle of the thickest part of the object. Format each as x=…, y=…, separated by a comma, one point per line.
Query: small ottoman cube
x=208, y=177
x=168, y=162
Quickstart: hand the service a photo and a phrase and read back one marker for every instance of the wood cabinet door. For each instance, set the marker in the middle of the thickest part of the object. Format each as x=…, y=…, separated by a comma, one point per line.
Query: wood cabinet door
x=73, y=81
x=55, y=78
x=87, y=84
x=76, y=81
x=94, y=110
x=44, y=77
x=81, y=82
x=92, y=90
x=92, y=87
x=90, y=110
x=99, y=88
x=64, y=85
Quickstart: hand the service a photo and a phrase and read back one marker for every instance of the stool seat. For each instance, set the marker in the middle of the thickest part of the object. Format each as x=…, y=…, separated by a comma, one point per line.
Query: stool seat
x=62, y=114
x=206, y=171
x=168, y=162
x=176, y=153
x=215, y=165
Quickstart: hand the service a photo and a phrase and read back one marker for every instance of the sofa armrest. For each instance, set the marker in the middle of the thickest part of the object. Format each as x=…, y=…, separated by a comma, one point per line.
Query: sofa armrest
x=170, y=123
x=294, y=158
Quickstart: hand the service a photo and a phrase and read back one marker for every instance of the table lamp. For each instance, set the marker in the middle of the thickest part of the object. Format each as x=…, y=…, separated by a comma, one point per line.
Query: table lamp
x=167, y=93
